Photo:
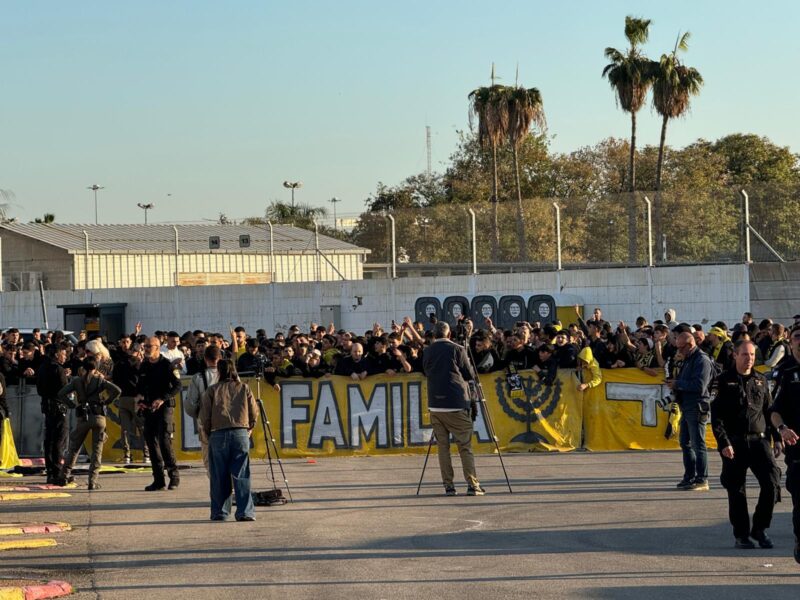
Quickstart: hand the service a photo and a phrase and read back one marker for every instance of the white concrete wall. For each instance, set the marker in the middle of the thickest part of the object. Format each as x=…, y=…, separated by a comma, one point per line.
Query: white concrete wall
x=699, y=294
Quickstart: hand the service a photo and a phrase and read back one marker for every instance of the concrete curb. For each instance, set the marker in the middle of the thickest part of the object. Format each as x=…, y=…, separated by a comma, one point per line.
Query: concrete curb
x=51, y=589
x=26, y=496
x=27, y=544
x=33, y=528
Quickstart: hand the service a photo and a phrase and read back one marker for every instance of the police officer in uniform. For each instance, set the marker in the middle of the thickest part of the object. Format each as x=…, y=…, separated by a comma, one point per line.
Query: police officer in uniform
x=51, y=377
x=159, y=382
x=786, y=418
x=740, y=422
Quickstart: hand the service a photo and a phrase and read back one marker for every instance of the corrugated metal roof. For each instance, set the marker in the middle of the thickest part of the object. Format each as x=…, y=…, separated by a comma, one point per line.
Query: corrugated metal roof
x=192, y=239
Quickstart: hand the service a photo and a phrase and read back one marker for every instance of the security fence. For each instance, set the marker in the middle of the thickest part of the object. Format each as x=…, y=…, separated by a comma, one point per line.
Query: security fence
x=728, y=226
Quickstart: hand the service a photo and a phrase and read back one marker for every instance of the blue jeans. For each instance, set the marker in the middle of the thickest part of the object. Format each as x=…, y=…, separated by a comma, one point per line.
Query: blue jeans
x=229, y=468
x=693, y=443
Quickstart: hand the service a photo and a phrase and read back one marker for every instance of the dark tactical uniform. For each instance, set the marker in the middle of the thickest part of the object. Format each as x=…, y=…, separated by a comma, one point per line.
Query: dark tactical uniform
x=160, y=380
x=740, y=419
x=787, y=405
x=49, y=381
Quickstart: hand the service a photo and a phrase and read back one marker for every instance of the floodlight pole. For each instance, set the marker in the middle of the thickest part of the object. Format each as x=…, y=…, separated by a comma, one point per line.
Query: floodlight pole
x=94, y=187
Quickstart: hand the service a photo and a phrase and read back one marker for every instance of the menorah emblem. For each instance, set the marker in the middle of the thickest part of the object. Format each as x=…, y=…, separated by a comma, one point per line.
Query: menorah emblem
x=539, y=403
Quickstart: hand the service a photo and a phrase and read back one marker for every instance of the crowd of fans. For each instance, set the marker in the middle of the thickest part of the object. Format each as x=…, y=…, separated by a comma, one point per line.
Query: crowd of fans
x=587, y=345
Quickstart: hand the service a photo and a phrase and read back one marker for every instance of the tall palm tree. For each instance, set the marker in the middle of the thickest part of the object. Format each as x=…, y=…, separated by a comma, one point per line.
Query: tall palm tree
x=629, y=74
x=6, y=200
x=673, y=86
x=525, y=108
x=490, y=105
x=299, y=215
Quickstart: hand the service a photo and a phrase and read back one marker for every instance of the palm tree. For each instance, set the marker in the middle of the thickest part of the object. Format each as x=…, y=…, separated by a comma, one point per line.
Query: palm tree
x=490, y=105
x=6, y=200
x=525, y=108
x=299, y=215
x=673, y=86
x=629, y=74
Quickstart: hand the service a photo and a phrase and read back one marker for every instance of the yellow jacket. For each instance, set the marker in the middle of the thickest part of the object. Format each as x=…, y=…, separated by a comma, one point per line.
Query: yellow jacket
x=588, y=370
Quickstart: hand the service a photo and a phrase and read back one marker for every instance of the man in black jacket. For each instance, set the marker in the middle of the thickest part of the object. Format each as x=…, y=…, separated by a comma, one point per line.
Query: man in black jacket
x=159, y=382
x=51, y=377
x=448, y=369
x=739, y=419
x=786, y=419
x=126, y=377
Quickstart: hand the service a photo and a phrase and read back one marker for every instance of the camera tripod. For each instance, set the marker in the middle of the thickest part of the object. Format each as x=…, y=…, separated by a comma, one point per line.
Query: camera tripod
x=477, y=395
x=273, y=496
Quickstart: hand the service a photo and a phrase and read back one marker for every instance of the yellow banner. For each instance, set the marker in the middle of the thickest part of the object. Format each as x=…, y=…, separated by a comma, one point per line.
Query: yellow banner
x=388, y=415
x=624, y=413
x=335, y=416
x=8, y=450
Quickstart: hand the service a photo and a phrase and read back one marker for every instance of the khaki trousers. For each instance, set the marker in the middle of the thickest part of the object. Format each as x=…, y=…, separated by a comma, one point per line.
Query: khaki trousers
x=96, y=425
x=459, y=424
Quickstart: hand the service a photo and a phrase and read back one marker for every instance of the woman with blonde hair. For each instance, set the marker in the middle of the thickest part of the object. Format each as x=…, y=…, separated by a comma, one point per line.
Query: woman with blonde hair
x=105, y=364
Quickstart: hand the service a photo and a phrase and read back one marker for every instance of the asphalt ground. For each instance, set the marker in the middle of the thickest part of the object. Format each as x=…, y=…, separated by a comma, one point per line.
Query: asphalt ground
x=578, y=525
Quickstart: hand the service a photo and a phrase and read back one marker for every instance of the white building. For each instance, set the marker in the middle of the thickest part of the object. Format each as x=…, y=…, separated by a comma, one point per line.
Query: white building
x=75, y=257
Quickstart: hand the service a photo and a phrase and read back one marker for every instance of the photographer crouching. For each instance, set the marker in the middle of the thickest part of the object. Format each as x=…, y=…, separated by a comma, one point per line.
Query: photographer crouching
x=448, y=369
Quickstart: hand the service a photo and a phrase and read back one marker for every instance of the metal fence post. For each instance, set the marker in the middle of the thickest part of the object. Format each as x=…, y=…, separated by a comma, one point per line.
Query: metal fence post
x=177, y=255
x=558, y=235
x=474, y=242
x=649, y=231
x=271, y=254
x=86, y=261
x=746, y=227
x=394, y=248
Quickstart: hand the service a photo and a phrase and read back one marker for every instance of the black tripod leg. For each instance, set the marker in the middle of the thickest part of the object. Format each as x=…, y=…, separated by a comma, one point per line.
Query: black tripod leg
x=490, y=427
x=266, y=440
x=425, y=464
x=268, y=429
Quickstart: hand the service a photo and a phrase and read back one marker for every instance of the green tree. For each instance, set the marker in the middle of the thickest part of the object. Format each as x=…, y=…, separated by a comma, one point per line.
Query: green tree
x=752, y=159
x=673, y=86
x=525, y=108
x=629, y=74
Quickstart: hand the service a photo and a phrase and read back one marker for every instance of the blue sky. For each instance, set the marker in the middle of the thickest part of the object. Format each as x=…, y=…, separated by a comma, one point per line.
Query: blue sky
x=217, y=103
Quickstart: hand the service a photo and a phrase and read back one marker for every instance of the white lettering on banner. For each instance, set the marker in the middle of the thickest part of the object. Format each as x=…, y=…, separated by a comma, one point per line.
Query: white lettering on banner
x=479, y=426
x=291, y=414
x=417, y=434
x=190, y=434
x=367, y=418
x=398, y=435
x=327, y=424
x=649, y=395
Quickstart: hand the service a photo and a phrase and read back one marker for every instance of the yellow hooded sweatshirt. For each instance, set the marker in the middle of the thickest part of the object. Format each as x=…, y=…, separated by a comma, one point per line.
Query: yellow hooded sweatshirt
x=588, y=370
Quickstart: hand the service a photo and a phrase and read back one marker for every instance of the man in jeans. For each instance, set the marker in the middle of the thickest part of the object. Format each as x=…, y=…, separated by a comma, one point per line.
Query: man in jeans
x=691, y=391
x=448, y=369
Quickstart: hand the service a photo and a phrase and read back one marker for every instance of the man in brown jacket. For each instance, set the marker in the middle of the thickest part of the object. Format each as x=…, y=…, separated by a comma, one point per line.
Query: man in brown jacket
x=228, y=413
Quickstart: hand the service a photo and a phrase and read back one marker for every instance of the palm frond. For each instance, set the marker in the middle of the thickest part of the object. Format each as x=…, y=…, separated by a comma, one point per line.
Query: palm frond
x=637, y=30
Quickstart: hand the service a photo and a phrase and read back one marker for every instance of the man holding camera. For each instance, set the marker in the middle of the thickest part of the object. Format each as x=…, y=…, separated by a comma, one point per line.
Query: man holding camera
x=448, y=369
x=159, y=382
x=739, y=418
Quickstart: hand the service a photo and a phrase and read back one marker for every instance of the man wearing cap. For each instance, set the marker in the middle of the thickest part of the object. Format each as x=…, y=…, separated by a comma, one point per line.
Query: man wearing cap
x=691, y=390
x=786, y=419
x=721, y=347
